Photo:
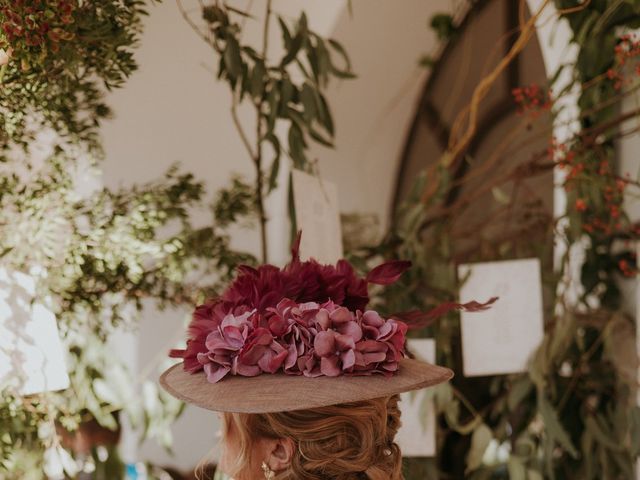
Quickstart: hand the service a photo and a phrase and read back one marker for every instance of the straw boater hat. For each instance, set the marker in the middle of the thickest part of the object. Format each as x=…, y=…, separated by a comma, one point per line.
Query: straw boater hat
x=300, y=337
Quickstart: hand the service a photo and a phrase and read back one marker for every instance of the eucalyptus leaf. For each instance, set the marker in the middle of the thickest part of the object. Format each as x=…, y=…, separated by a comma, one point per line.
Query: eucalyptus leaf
x=480, y=439
x=553, y=425
x=232, y=58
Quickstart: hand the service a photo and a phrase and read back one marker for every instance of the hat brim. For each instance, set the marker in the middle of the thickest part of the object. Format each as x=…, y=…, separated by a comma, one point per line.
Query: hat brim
x=281, y=393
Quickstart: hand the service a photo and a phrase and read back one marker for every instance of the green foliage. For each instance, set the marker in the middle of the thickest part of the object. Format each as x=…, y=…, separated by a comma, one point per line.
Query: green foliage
x=596, y=30
x=443, y=25
x=273, y=86
x=573, y=414
x=97, y=255
x=101, y=257
x=63, y=54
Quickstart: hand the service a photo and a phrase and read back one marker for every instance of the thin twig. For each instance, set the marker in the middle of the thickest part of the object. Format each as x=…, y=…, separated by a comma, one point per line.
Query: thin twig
x=240, y=128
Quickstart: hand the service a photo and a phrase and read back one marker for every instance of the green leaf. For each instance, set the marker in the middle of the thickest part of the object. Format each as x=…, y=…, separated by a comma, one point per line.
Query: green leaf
x=324, y=63
x=293, y=49
x=482, y=436
x=319, y=138
x=337, y=46
x=442, y=24
x=275, y=166
x=308, y=100
x=516, y=468
x=286, y=35
x=257, y=84
x=601, y=433
x=232, y=58
x=553, y=426
x=519, y=390
x=287, y=91
x=272, y=102
x=324, y=114
x=296, y=145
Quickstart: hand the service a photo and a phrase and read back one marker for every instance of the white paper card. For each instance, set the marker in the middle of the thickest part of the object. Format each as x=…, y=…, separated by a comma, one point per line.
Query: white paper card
x=500, y=340
x=417, y=435
x=31, y=355
x=317, y=215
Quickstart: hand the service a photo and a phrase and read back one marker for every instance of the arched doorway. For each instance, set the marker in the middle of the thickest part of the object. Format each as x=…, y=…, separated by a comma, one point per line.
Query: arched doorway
x=484, y=36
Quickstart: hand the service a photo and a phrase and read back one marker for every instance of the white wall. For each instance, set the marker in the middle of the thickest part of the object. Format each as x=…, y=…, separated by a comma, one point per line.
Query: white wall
x=174, y=110
x=374, y=112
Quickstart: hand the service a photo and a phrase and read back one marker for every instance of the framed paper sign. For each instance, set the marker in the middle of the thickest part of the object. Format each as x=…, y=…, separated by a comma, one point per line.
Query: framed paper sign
x=417, y=435
x=318, y=217
x=500, y=340
x=31, y=354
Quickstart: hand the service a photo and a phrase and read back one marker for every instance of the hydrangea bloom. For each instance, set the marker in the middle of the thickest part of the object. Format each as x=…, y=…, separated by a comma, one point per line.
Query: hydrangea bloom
x=304, y=319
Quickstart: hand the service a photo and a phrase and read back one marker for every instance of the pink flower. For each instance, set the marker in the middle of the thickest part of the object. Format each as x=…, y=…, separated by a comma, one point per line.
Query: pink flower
x=206, y=319
x=305, y=318
x=223, y=345
x=261, y=354
x=290, y=322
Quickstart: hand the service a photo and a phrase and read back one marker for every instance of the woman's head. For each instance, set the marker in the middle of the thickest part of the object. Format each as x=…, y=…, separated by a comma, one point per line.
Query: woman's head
x=351, y=441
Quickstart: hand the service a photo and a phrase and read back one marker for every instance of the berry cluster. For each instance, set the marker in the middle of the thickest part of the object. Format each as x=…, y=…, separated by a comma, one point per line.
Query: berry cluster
x=532, y=100
x=626, y=51
x=581, y=171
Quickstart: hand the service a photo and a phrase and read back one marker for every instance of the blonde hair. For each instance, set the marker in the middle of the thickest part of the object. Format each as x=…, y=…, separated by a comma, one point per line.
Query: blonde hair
x=350, y=441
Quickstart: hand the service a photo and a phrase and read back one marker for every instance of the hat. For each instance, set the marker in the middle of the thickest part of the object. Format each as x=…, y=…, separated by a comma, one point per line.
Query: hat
x=299, y=337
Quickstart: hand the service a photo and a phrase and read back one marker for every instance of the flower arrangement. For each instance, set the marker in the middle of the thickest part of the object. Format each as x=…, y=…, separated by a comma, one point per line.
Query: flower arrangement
x=304, y=319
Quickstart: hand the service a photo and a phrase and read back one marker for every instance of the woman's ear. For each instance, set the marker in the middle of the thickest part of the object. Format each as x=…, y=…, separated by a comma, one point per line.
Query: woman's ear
x=279, y=453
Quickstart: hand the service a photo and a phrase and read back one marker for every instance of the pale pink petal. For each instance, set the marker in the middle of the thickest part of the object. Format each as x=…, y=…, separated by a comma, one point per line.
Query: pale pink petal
x=348, y=359
x=344, y=342
x=322, y=319
x=351, y=329
x=292, y=357
x=372, y=318
x=329, y=366
x=215, y=372
x=374, y=357
x=367, y=346
x=324, y=343
x=341, y=315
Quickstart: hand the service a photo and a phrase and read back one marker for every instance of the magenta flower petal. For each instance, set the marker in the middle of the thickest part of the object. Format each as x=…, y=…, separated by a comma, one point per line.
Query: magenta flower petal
x=368, y=346
x=246, y=370
x=215, y=372
x=388, y=272
x=292, y=357
x=324, y=343
x=348, y=359
x=352, y=329
x=374, y=357
x=340, y=315
x=344, y=342
x=322, y=319
x=372, y=318
x=329, y=366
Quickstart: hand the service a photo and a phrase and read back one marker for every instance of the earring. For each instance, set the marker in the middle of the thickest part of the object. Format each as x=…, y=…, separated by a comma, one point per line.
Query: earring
x=268, y=473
